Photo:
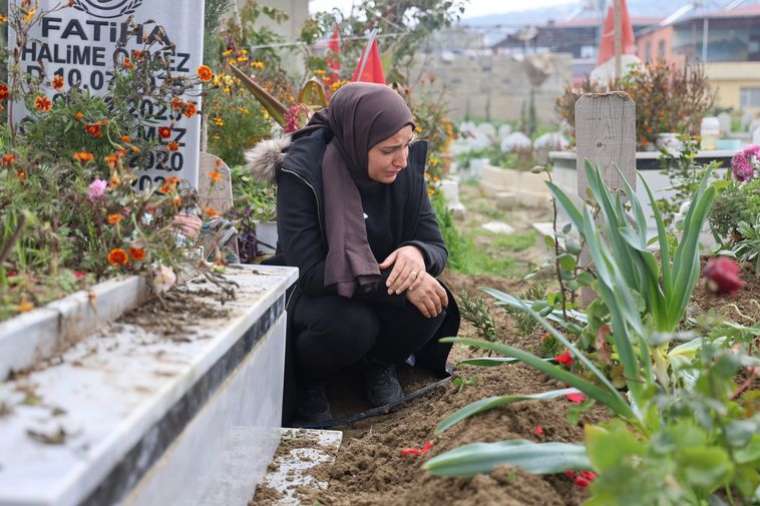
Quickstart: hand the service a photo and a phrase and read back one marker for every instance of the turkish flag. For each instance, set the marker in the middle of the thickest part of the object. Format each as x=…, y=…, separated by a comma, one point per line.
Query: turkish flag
x=607, y=44
x=373, y=69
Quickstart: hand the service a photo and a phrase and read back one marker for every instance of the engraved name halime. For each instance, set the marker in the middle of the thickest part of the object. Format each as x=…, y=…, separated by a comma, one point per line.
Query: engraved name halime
x=107, y=9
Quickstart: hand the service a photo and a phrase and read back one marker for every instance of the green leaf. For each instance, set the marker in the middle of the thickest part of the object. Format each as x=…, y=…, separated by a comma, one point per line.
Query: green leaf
x=567, y=262
x=488, y=361
x=535, y=458
x=705, y=467
x=611, y=399
x=490, y=403
x=549, y=241
x=585, y=279
x=608, y=447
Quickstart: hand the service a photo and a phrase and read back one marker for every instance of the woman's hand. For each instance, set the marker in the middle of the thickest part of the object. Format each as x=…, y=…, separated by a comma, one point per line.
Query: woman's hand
x=188, y=224
x=408, y=267
x=429, y=296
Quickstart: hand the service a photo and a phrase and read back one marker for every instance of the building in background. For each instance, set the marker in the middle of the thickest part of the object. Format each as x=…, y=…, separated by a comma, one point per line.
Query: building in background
x=731, y=56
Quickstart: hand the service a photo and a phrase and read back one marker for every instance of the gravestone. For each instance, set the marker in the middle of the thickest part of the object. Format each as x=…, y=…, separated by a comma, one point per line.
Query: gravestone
x=606, y=136
x=725, y=123
x=218, y=195
x=487, y=130
x=83, y=40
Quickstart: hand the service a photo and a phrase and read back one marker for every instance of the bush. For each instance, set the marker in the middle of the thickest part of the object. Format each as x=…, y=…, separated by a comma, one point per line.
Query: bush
x=668, y=99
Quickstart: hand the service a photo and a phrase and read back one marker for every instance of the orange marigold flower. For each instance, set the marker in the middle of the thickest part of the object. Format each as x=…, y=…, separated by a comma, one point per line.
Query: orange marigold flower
x=58, y=82
x=4, y=92
x=24, y=306
x=126, y=138
x=210, y=212
x=190, y=109
x=8, y=159
x=127, y=64
x=205, y=73
x=165, y=132
x=172, y=146
x=137, y=254
x=215, y=176
x=79, y=116
x=83, y=156
x=178, y=104
x=43, y=103
x=94, y=130
x=21, y=175
x=114, y=218
x=111, y=160
x=118, y=256
x=170, y=184
x=137, y=54
x=115, y=181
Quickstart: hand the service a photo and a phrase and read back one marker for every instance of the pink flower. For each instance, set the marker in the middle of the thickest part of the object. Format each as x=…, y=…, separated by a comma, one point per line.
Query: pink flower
x=743, y=164
x=565, y=359
x=96, y=190
x=538, y=431
x=722, y=274
x=576, y=398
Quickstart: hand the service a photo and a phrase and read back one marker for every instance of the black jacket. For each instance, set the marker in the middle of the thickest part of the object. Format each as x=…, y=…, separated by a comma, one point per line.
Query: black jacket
x=301, y=221
x=302, y=241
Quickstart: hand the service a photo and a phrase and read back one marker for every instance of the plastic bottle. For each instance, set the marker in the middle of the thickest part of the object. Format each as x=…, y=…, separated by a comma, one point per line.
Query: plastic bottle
x=710, y=132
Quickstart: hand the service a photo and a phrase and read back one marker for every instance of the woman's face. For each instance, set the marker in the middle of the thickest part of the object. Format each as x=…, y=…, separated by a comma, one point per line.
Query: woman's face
x=388, y=158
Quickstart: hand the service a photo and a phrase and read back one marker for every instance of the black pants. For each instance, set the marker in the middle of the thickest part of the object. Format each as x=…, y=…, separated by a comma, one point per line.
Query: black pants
x=333, y=332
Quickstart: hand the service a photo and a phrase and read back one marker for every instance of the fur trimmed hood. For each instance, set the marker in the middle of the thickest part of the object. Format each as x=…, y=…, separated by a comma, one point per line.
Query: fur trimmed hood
x=265, y=158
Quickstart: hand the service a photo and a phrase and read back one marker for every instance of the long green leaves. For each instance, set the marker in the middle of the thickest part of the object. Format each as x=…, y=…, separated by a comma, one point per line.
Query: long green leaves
x=490, y=403
x=536, y=458
x=608, y=396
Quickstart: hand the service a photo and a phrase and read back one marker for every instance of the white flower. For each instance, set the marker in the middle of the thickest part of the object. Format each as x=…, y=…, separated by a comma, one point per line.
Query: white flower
x=164, y=279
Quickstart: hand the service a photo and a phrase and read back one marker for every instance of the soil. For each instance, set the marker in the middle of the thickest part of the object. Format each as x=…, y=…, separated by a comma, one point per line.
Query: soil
x=370, y=469
x=742, y=307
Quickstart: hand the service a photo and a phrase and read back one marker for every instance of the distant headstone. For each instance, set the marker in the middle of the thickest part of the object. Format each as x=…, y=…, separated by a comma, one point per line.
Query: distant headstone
x=498, y=227
x=725, y=123
x=747, y=118
x=83, y=40
x=214, y=184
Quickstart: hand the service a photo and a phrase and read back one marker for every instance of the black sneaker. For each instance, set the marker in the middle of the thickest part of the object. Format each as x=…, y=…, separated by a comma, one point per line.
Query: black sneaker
x=382, y=384
x=313, y=406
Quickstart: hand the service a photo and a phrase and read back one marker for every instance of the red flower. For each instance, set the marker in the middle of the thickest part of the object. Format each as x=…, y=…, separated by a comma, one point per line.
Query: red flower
x=538, y=431
x=722, y=275
x=4, y=92
x=585, y=478
x=79, y=275
x=576, y=398
x=94, y=130
x=417, y=452
x=164, y=132
x=581, y=479
x=565, y=359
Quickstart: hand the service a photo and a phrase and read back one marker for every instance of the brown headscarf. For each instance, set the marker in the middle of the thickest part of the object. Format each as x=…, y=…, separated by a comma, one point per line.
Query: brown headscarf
x=360, y=116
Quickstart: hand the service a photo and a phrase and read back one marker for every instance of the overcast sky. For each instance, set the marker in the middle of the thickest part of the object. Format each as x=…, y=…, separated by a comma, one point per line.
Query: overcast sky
x=475, y=8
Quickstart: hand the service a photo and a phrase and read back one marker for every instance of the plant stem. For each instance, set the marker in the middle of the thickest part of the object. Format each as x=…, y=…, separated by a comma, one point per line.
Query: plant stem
x=558, y=269
x=6, y=248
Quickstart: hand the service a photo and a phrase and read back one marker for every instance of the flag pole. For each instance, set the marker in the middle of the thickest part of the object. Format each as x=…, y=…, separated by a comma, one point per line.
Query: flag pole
x=618, y=5
x=365, y=55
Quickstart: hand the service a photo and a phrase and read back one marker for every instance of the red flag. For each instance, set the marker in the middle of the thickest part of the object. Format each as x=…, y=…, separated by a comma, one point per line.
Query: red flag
x=333, y=59
x=373, y=68
x=607, y=44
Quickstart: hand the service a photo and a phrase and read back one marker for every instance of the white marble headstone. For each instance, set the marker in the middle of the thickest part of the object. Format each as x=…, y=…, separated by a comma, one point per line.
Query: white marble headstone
x=82, y=42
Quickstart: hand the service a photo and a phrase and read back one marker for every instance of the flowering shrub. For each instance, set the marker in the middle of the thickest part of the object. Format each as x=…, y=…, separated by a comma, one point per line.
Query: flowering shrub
x=746, y=163
x=668, y=99
x=75, y=206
